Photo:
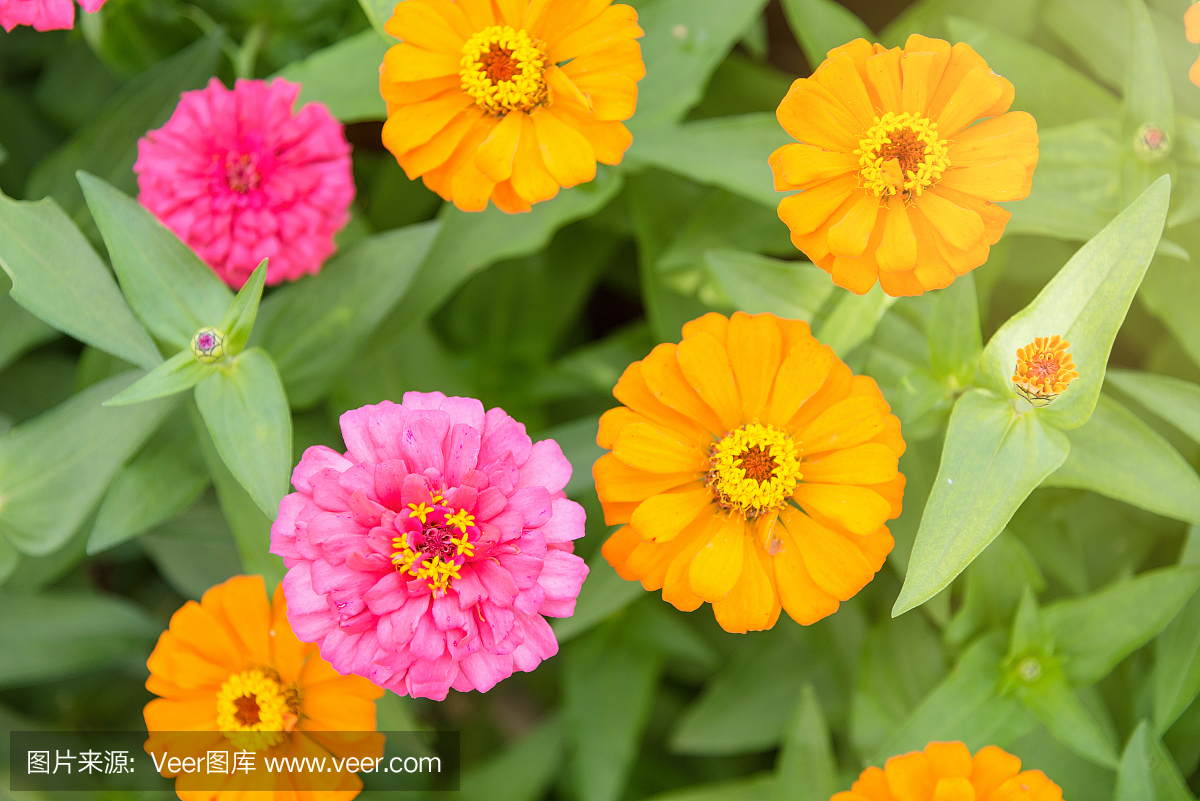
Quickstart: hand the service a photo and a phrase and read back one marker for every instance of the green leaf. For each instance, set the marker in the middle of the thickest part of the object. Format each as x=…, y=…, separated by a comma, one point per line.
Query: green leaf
x=54, y=468
x=1147, y=87
x=853, y=319
x=754, y=788
x=1067, y=719
x=730, y=152
x=59, y=278
x=792, y=289
x=1095, y=632
x=1095, y=31
x=344, y=76
x=378, y=12
x=685, y=41
x=246, y=412
x=1169, y=292
x=993, y=458
x=1077, y=184
x=196, y=550
x=993, y=587
x=1147, y=772
x=806, y=769
x=160, y=483
x=955, y=341
x=1116, y=454
x=238, y=319
x=176, y=374
x=1085, y=303
x=107, y=147
x=20, y=331
x=522, y=772
x=52, y=636
x=608, y=687
x=172, y=292
x=315, y=326
x=1173, y=399
x=604, y=593
x=745, y=707
x=1177, y=667
x=1018, y=18
x=965, y=706
x=1049, y=89
x=251, y=528
x=821, y=25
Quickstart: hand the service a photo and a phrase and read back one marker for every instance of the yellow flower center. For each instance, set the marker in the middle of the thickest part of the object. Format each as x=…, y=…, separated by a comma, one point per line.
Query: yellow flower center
x=754, y=469
x=901, y=153
x=439, y=552
x=503, y=70
x=254, y=709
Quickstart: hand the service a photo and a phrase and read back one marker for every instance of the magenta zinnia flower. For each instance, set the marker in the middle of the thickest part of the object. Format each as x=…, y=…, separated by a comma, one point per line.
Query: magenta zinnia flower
x=427, y=556
x=240, y=178
x=43, y=15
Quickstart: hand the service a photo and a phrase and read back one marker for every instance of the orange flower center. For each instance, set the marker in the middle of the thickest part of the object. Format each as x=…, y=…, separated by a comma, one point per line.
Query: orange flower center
x=255, y=709
x=241, y=173
x=503, y=69
x=757, y=463
x=901, y=154
x=247, y=710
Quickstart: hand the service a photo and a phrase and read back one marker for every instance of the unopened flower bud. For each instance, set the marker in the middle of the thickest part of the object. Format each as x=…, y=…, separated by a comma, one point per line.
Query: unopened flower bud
x=1152, y=142
x=1044, y=370
x=1029, y=669
x=208, y=345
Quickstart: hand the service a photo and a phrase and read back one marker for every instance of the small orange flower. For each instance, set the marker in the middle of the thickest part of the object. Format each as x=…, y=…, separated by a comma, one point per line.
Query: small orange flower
x=1191, y=23
x=753, y=471
x=947, y=772
x=900, y=177
x=1044, y=370
x=231, y=665
x=509, y=99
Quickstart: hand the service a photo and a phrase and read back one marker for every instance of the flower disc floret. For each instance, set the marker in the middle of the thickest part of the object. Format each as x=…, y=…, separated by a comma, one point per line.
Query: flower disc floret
x=901, y=154
x=754, y=469
x=503, y=69
x=254, y=709
x=1044, y=370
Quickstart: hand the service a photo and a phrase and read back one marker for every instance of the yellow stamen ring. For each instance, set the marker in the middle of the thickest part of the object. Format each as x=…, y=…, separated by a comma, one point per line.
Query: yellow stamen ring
x=901, y=153
x=754, y=469
x=503, y=69
x=254, y=709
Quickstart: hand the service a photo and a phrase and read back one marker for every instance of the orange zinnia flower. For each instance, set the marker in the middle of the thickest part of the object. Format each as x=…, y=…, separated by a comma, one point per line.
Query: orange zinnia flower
x=722, y=442
x=1191, y=23
x=509, y=99
x=230, y=665
x=898, y=179
x=947, y=772
x=1044, y=370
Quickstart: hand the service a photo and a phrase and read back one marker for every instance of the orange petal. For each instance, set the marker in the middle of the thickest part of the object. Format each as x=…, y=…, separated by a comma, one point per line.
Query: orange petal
x=837, y=386
x=614, y=23
x=193, y=715
x=634, y=392
x=979, y=90
x=850, y=236
x=883, y=75
x=616, y=550
x=801, y=375
x=718, y=563
x=507, y=199
x=994, y=217
x=552, y=19
x=860, y=510
x=416, y=123
x=651, y=561
x=804, y=212
x=961, y=227
x=812, y=114
x=434, y=153
x=246, y=611
x=712, y=322
x=403, y=92
x=916, y=68
x=647, y=447
x=953, y=789
x=844, y=424
x=949, y=760
x=470, y=189
x=661, y=517
x=910, y=777
x=805, y=602
x=494, y=158
x=200, y=627
x=441, y=30
x=664, y=378
x=891, y=491
x=610, y=96
x=990, y=768
x=1010, y=136
x=834, y=563
x=612, y=421
x=753, y=603
x=902, y=285
x=530, y=179
x=620, y=483
x=568, y=156
x=898, y=248
x=406, y=62
x=563, y=89
x=839, y=75
x=870, y=463
x=1004, y=180
x=754, y=345
x=942, y=53
x=805, y=166
x=705, y=364
x=875, y=547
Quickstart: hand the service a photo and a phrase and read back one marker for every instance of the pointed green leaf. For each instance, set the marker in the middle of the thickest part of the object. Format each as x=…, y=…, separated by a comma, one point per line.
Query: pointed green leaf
x=1177, y=668
x=993, y=458
x=608, y=687
x=1169, y=293
x=176, y=374
x=20, y=331
x=239, y=317
x=10, y=557
x=246, y=411
x=54, y=468
x=107, y=147
x=250, y=527
x=172, y=292
x=314, y=327
x=1093, y=633
x=1173, y=399
x=159, y=483
x=1148, y=772
x=1085, y=303
x=522, y=772
x=1016, y=17
x=730, y=152
x=1096, y=31
x=853, y=319
x=821, y=25
x=1049, y=89
x=344, y=76
x=59, y=278
x=685, y=41
x=806, y=769
x=792, y=289
x=1029, y=632
x=1147, y=87
x=1067, y=719
x=955, y=341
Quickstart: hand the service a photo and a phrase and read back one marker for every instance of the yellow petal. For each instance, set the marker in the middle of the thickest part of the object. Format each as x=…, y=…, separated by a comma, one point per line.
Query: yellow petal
x=850, y=236
x=870, y=463
x=802, y=373
x=705, y=365
x=647, y=447
x=859, y=510
x=718, y=563
x=804, y=212
x=495, y=156
x=753, y=603
x=898, y=248
x=661, y=517
x=754, y=346
x=845, y=424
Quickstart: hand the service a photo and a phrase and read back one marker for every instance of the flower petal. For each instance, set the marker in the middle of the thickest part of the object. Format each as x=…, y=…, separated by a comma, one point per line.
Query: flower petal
x=753, y=603
x=802, y=373
x=833, y=562
x=860, y=510
x=804, y=212
x=754, y=344
x=718, y=564
x=647, y=447
x=869, y=463
x=705, y=364
x=661, y=517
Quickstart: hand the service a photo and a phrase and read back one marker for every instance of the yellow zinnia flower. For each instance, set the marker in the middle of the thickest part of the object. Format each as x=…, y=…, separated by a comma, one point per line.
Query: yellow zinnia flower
x=509, y=100
x=753, y=470
x=899, y=175
x=1044, y=370
x=948, y=772
x=231, y=668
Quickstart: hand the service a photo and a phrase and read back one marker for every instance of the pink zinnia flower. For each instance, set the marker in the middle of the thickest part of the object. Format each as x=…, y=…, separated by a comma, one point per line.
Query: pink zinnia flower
x=240, y=178
x=427, y=556
x=43, y=15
